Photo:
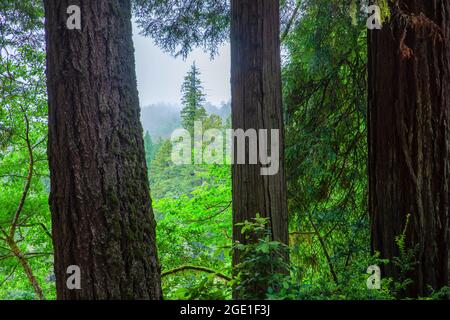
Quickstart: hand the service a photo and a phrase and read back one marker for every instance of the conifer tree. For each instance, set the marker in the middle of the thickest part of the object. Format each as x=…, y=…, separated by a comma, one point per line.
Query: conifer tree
x=193, y=99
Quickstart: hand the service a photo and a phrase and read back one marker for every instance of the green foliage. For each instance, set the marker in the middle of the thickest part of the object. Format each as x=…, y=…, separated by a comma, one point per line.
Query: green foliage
x=192, y=204
x=324, y=87
x=151, y=148
x=195, y=228
x=24, y=212
x=180, y=26
x=262, y=264
x=325, y=100
x=261, y=260
x=170, y=181
x=405, y=261
x=21, y=23
x=203, y=288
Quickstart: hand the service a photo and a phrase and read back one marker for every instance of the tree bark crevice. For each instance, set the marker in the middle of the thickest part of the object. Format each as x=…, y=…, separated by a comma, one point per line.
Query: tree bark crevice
x=257, y=105
x=101, y=207
x=408, y=124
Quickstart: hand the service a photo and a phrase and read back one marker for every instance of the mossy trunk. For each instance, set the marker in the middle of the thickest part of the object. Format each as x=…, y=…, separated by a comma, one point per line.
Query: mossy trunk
x=100, y=202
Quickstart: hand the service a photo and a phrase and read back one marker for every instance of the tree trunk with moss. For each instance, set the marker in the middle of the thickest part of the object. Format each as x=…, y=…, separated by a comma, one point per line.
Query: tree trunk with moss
x=101, y=208
x=408, y=111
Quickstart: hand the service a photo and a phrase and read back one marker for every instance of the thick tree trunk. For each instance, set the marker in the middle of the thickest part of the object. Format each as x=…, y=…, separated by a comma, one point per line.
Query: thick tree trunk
x=257, y=104
x=101, y=208
x=408, y=111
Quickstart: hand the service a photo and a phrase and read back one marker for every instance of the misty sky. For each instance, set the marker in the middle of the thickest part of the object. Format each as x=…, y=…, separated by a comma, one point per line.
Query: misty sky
x=160, y=75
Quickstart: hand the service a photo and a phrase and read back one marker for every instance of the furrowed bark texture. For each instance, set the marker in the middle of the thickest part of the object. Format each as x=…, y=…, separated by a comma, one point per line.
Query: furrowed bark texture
x=257, y=104
x=101, y=208
x=408, y=111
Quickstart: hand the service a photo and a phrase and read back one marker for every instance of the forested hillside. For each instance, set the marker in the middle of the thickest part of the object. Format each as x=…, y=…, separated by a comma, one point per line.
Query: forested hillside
x=355, y=97
x=161, y=119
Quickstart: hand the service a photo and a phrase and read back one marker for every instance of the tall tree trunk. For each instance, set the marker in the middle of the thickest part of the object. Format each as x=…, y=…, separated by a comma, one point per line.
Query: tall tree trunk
x=101, y=208
x=408, y=111
x=257, y=104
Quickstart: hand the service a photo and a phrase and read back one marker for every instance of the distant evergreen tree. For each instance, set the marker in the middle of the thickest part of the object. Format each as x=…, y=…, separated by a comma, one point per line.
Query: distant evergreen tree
x=162, y=159
x=193, y=99
x=149, y=148
x=157, y=146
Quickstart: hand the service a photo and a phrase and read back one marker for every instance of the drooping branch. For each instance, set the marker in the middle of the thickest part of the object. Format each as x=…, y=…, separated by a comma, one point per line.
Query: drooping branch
x=198, y=269
x=28, y=181
x=10, y=236
x=23, y=260
x=324, y=248
x=213, y=215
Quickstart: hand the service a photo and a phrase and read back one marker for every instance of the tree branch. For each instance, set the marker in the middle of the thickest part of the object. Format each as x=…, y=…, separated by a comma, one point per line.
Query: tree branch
x=29, y=177
x=324, y=248
x=211, y=216
x=40, y=224
x=196, y=268
x=290, y=22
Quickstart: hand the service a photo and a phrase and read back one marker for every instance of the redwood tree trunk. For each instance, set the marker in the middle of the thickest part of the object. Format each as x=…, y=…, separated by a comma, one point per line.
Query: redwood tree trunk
x=101, y=208
x=257, y=104
x=408, y=110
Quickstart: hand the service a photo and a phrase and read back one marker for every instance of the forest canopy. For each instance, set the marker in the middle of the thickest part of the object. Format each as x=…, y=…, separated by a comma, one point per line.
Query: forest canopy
x=359, y=91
